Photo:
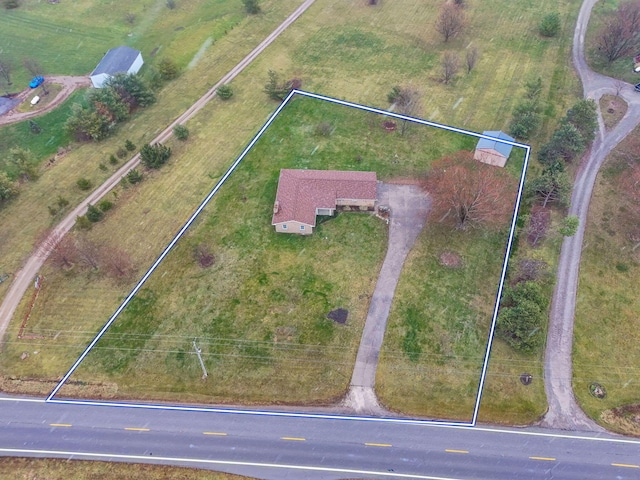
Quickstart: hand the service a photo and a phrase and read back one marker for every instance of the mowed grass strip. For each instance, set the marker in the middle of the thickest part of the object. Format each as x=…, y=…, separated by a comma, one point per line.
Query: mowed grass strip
x=149, y=213
x=605, y=332
x=59, y=469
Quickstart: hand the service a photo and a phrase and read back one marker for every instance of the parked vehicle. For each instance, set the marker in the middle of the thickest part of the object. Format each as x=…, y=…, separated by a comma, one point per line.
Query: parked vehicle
x=35, y=100
x=36, y=81
x=637, y=87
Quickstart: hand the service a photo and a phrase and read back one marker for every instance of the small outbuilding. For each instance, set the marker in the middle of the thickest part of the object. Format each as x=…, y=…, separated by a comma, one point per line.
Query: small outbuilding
x=493, y=152
x=304, y=194
x=117, y=60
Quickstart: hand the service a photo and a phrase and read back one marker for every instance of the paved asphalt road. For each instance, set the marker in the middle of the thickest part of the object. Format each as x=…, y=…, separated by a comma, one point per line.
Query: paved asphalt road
x=288, y=447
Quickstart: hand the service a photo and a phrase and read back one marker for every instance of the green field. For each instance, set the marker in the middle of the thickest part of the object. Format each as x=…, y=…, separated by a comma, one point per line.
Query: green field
x=606, y=324
x=347, y=50
x=70, y=38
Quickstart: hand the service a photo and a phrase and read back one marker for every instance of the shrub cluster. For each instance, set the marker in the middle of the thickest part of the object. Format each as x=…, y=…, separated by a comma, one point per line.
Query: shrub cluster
x=108, y=106
x=571, y=138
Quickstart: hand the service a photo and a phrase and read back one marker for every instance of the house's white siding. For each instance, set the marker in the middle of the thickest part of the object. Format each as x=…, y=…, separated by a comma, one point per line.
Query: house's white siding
x=136, y=65
x=99, y=80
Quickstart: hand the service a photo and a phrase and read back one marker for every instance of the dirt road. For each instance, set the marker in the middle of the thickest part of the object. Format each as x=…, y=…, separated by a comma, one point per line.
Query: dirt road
x=564, y=412
x=25, y=276
x=69, y=85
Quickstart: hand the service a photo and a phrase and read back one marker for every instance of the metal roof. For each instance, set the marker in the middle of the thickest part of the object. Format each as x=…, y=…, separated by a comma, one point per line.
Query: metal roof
x=501, y=148
x=116, y=60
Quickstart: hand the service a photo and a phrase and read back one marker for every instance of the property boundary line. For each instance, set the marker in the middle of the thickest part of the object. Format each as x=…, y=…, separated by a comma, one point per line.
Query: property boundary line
x=205, y=202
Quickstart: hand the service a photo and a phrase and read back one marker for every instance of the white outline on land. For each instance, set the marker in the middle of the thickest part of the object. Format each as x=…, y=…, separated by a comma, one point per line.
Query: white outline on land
x=215, y=189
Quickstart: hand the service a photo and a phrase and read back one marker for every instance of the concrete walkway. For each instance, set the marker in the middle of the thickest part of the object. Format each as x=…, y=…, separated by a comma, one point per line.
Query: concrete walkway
x=409, y=209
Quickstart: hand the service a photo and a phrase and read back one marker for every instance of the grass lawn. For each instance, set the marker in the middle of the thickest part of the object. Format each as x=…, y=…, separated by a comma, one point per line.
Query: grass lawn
x=347, y=50
x=57, y=469
x=44, y=144
x=606, y=326
x=621, y=68
x=260, y=312
x=70, y=38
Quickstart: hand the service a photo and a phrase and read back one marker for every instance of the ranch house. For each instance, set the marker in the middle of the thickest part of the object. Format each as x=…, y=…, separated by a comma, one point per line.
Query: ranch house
x=117, y=60
x=304, y=194
x=492, y=152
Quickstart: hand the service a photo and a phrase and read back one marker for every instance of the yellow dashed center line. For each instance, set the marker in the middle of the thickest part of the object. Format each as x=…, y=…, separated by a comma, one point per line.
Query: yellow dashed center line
x=548, y=459
x=450, y=450
x=136, y=429
x=627, y=465
x=220, y=434
x=60, y=424
x=378, y=445
x=294, y=439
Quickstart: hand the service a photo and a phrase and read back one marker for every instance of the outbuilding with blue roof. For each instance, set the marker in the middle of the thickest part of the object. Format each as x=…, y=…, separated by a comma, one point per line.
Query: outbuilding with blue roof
x=117, y=60
x=491, y=151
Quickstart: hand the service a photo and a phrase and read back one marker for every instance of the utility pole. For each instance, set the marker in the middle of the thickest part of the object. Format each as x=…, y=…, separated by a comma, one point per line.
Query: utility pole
x=198, y=351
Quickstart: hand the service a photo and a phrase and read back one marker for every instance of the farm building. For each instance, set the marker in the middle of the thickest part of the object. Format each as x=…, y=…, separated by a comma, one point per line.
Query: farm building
x=304, y=194
x=491, y=151
x=117, y=60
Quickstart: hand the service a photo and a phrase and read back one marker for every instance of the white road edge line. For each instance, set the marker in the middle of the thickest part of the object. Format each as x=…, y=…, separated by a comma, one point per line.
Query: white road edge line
x=419, y=423
x=145, y=458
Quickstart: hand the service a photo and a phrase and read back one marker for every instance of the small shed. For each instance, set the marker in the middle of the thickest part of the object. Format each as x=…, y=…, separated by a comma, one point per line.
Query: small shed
x=493, y=152
x=117, y=60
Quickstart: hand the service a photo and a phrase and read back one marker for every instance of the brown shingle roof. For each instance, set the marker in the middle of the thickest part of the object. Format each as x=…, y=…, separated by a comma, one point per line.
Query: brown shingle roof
x=300, y=192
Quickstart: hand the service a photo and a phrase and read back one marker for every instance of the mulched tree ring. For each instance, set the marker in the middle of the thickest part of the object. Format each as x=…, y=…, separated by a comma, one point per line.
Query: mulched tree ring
x=389, y=126
x=597, y=390
x=526, y=378
x=339, y=315
x=450, y=259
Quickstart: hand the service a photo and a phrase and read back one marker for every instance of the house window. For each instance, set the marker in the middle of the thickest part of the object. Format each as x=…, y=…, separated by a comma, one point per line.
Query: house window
x=284, y=226
x=301, y=227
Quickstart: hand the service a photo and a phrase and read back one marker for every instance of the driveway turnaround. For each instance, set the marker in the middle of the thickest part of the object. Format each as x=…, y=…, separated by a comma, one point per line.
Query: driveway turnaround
x=409, y=210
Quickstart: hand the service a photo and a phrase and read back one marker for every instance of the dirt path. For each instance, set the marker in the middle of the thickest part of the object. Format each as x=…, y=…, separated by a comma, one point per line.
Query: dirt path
x=564, y=412
x=409, y=209
x=25, y=276
x=69, y=85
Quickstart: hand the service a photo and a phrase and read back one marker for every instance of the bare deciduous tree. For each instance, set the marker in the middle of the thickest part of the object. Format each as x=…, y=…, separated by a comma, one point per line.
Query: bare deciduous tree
x=60, y=249
x=407, y=102
x=5, y=72
x=450, y=21
x=117, y=263
x=472, y=58
x=621, y=34
x=450, y=66
x=468, y=193
x=88, y=253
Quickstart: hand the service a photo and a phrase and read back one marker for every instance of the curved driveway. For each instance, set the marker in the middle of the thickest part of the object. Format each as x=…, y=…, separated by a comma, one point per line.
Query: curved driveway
x=69, y=85
x=564, y=411
x=409, y=210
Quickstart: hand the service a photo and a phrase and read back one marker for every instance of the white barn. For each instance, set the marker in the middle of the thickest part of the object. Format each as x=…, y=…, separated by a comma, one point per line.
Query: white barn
x=117, y=60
